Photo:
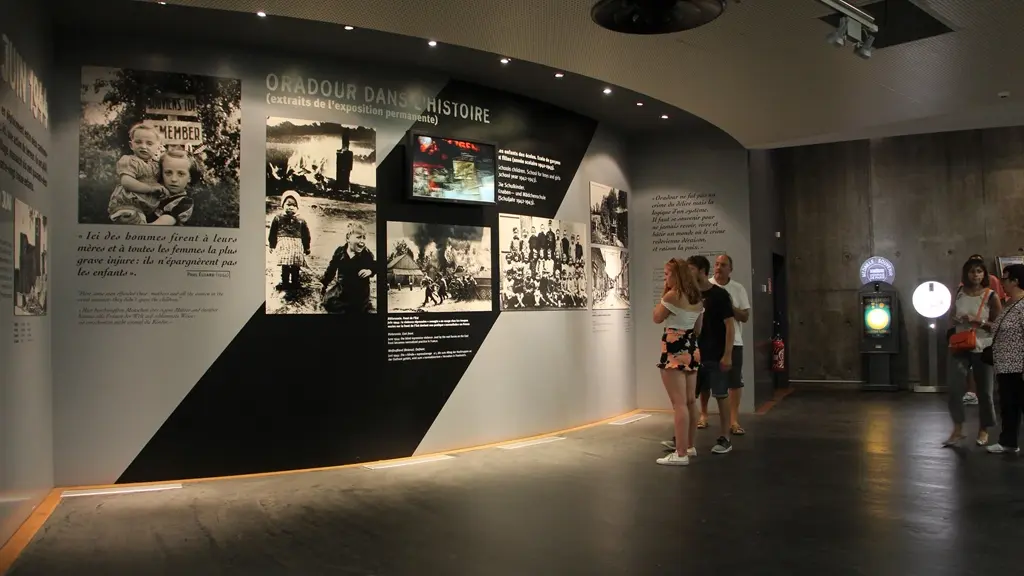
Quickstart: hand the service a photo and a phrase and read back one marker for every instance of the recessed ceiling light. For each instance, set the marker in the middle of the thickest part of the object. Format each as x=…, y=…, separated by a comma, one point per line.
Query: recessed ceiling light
x=162, y=3
x=261, y=14
x=639, y=103
x=607, y=90
x=505, y=60
x=432, y=43
x=664, y=116
x=559, y=75
x=350, y=28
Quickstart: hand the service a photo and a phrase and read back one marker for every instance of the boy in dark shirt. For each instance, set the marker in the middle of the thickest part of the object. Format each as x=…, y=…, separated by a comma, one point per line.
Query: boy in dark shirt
x=715, y=345
x=352, y=265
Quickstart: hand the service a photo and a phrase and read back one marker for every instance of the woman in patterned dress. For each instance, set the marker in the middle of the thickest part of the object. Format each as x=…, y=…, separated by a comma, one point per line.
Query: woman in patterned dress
x=681, y=310
x=1008, y=360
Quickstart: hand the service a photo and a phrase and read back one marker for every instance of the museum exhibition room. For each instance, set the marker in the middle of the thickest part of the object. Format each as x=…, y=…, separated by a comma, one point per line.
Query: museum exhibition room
x=492, y=287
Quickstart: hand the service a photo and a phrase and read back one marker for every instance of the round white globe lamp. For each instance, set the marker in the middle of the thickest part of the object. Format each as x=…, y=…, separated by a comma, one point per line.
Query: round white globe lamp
x=931, y=300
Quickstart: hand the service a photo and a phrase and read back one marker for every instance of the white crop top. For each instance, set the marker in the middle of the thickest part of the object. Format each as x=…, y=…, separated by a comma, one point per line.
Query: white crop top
x=681, y=319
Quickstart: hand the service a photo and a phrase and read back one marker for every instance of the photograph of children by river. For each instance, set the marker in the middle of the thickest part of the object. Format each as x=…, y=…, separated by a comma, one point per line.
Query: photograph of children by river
x=321, y=206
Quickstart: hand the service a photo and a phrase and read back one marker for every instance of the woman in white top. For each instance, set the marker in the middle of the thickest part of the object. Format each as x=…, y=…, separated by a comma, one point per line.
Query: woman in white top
x=975, y=308
x=681, y=310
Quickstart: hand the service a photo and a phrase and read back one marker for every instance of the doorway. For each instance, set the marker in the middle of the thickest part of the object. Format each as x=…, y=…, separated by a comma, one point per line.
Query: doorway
x=780, y=314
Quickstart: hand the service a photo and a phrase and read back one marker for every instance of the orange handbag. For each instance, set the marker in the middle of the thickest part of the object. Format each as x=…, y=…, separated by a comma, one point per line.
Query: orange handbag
x=967, y=340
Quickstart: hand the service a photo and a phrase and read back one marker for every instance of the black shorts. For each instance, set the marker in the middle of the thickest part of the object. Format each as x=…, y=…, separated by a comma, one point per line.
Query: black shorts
x=710, y=377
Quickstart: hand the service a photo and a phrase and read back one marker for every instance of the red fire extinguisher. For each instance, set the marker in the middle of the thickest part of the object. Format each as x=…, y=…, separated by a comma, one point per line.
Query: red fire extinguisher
x=778, y=353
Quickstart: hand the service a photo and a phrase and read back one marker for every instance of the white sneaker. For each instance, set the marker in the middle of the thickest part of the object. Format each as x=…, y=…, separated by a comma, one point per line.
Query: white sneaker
x=1000, y=449
x=691, y=451
x=971, y=399
x=670, y=444
x=674, y=459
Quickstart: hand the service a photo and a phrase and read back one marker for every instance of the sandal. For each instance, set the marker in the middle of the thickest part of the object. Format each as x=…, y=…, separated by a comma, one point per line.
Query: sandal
x=702, y=423
x=982, y=439
x=737, y=430
x=953, y=441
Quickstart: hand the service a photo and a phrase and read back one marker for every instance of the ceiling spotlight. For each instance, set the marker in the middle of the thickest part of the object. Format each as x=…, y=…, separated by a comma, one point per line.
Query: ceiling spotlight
x=559, y=75
x=432, y=43
x=350, y=28
x=607, y=90
x=664, y=116
x=864, y=49
x=837, y=37
x=162, y=3
x=505, y=60
x=261, y=14
x=639, y=103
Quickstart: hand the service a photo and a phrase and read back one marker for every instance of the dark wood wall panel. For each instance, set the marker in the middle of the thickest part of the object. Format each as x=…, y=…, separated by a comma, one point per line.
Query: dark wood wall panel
x=926, y=202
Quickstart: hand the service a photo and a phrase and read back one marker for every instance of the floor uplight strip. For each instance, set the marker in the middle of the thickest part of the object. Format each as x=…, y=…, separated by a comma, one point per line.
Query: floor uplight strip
x=629, y=420
x=119, y=491
x=517, y=445
x=409, y=462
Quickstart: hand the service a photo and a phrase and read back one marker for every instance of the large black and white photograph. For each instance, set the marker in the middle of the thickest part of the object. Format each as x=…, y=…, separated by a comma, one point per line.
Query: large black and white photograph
x=609, y=215
x=321, y=207
x=159, y=148
x=438, y=268
x=543, y=263
x=31, y=261
x=609, y=278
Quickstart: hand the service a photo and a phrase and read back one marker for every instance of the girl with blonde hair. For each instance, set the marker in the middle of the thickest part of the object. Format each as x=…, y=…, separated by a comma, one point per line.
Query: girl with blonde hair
x=681, y=311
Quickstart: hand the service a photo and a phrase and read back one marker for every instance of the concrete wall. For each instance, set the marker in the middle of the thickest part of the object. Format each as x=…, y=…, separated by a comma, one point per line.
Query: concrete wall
x=925, y=202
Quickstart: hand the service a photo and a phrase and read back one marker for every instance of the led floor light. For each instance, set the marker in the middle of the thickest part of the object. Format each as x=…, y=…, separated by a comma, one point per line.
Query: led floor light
x=527, y=443
x=629, y=419
x=119, y=491
x=409, y=462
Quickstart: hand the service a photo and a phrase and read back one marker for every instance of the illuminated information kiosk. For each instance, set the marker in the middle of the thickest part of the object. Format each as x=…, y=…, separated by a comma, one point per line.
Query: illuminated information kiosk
x=880, y=334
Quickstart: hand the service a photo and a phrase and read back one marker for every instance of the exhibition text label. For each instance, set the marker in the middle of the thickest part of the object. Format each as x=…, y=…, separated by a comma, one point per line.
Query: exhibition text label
x=17, y=74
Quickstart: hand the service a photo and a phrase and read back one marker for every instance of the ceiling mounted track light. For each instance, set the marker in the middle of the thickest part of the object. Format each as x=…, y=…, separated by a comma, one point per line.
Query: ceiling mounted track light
x=655, y=16
x=855, y=25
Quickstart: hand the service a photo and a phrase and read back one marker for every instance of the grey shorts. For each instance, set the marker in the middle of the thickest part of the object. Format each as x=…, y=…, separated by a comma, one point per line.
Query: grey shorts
x=736, y=374
x=710, y=377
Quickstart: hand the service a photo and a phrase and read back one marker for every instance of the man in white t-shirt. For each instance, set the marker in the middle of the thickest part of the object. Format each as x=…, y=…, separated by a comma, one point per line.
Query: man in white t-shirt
x=741, y=315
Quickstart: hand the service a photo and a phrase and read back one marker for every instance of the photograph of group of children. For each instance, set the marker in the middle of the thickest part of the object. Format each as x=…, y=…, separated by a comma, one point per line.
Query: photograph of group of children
x=543, y=263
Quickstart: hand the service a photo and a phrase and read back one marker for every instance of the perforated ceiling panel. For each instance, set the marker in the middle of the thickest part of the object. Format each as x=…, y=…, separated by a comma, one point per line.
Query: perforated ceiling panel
x=762, y=72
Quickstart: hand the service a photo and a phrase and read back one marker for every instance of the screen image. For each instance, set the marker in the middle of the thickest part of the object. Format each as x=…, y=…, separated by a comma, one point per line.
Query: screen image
x=877, y=316
x=450, y=170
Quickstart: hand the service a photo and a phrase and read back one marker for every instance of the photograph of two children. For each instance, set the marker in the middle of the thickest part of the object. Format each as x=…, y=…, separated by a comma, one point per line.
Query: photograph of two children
x=164, y=149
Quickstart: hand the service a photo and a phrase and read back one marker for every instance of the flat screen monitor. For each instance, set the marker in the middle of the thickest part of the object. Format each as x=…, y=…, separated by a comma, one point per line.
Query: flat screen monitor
x=452, y=170
x=877, y=315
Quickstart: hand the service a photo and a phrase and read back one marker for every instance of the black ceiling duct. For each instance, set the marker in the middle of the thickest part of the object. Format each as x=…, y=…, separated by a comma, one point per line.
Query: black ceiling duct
x=655, y=16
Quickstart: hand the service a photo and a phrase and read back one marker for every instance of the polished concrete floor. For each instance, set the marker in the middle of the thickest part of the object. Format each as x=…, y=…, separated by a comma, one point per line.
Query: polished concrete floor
x=826, y=483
